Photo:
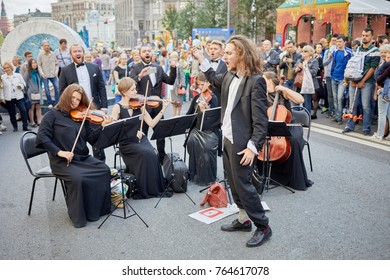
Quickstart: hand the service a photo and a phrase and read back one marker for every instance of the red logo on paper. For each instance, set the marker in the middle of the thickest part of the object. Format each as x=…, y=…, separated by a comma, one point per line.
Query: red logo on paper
x=211, y=213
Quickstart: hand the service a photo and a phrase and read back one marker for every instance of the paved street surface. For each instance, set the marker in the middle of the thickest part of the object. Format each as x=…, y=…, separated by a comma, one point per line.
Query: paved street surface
x=344, y=215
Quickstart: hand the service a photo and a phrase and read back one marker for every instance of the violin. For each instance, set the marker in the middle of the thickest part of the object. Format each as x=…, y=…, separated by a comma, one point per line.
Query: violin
x=279, y=148
x=151, y=101
x=94, y=116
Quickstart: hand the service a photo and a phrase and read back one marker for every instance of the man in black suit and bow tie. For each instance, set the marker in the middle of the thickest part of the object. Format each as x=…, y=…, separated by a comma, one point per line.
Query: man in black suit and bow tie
x=88, y=76
x=244, y=128
x=146, y=71
x=219, y=66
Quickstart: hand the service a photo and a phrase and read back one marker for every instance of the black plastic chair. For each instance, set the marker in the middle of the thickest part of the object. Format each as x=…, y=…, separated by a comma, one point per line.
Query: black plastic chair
x=302, y=115
x=28, y=149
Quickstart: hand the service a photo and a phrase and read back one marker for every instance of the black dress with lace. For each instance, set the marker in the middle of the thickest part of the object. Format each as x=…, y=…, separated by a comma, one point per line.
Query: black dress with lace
x=202, y=148
x=141, y=159
x=292, y=172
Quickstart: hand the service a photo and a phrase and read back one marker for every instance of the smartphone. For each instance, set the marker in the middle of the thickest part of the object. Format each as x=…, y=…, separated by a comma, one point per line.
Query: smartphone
x=152, y=70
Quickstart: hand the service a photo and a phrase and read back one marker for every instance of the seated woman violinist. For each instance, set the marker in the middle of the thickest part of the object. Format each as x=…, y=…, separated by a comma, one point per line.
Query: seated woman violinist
x=140, y=157
x=291, y=172
x=86, y=178
x=202, y=145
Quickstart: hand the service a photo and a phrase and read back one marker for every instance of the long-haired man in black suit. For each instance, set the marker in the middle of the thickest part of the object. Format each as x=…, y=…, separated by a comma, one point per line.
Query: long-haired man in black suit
x=244, y=128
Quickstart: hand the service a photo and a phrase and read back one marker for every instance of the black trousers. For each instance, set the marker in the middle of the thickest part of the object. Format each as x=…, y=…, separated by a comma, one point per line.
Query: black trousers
x=239, y=179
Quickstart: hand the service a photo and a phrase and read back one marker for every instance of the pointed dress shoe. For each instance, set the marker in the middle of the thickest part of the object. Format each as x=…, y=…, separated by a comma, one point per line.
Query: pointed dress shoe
x=259, y=237
x=237, y=226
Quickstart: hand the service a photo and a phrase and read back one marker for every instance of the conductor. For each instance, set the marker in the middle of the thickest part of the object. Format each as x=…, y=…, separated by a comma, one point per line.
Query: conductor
x=244, y=128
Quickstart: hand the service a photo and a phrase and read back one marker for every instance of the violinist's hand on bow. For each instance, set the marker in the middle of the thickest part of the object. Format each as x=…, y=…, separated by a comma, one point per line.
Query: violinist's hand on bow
x=247, y=158
x=67, y=155
x=203, y=105
x=108, y=119
x=140, y=135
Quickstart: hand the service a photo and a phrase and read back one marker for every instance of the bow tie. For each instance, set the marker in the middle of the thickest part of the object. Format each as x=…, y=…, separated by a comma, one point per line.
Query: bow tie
x=81, y=64
x=234, y=74
x=215, y=61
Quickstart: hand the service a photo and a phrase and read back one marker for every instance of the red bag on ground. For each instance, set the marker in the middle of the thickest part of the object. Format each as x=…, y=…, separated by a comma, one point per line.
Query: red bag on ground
x=215, y=196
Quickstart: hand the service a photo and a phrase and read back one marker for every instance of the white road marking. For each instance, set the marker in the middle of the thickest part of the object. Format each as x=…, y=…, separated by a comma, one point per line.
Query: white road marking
x=351, y=136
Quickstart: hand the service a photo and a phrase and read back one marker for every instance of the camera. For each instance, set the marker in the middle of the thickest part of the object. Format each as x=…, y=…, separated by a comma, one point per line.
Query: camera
x=152, y=70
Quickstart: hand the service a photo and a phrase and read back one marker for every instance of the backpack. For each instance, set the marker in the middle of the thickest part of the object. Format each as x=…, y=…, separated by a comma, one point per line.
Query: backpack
x=355, y=65
x=176, y=172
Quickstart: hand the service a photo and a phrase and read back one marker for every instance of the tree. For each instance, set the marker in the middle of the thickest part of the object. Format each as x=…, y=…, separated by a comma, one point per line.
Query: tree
x=212, y=14
x=186, y=19
x=169, y=20
x=257, y=17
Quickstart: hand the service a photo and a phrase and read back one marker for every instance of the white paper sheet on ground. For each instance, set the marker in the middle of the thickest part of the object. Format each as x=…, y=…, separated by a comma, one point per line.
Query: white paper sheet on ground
x=212, y=214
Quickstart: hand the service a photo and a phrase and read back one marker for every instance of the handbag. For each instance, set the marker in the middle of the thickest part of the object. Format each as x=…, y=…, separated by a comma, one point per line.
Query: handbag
x=215, y=196
x=35, y=96
x=181, y=90
x=298, y=79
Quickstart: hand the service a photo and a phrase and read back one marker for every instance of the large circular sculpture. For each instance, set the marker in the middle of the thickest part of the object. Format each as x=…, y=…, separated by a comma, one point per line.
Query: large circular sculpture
x=29, y=35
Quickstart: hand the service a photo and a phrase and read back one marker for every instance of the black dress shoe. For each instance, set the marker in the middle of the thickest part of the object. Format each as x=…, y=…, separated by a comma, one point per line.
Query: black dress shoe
x=259, y=237
x=237, y=226
x=15, y=129
x=26, y=129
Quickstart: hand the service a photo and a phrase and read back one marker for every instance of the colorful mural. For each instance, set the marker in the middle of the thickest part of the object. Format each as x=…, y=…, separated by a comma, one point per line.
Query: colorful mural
x=322, y=12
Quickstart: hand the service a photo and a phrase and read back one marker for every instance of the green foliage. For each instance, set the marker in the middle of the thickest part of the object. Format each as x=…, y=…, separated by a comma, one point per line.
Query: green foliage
x=256, y=17
x=169, y=20
x=1, y=38
x=207, y=14
x=186, y=19
x=212, y=14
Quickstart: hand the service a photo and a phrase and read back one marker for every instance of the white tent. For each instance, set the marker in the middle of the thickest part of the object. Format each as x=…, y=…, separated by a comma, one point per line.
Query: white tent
x=372, y=7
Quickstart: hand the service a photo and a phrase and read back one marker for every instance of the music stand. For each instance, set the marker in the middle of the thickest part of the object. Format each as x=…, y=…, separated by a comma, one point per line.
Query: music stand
x=211, y=119
x=275, y=128
x=110, y=135
x=168, y=128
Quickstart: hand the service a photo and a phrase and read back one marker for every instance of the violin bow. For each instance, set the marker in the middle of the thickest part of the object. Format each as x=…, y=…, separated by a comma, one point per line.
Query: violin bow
x=143, y=113
x=81, y=127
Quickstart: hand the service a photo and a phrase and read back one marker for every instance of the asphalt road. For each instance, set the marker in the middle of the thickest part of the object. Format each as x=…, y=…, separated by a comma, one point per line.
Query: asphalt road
x=344, y=215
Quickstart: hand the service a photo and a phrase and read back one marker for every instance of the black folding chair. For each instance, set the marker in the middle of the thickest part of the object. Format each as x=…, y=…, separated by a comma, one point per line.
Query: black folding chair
x=29, y=151
x=302, y=115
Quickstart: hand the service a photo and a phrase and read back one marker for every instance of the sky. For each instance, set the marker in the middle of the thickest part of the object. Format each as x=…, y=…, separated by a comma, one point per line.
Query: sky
x=17, y=7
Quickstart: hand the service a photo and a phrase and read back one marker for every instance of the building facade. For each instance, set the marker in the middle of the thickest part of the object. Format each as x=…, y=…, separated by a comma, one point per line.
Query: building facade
x=310, y=20
x=5, y=27
x=70, y=12
x=19, y=19
x=138, y=21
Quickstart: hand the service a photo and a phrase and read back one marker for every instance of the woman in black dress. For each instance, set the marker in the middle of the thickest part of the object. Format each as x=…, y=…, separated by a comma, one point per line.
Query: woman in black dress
x=87, y=179
x=202, y=146
x=292, y=172
x=140, y=157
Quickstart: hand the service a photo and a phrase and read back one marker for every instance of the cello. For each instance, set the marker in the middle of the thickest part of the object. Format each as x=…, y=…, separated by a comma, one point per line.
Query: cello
x=279, y=148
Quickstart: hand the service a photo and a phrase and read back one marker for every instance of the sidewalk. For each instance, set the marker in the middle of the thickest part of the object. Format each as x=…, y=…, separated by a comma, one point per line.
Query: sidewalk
x=324, y=123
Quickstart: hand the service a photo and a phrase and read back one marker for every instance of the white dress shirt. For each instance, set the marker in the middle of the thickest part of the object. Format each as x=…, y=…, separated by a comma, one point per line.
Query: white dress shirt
x=84, y=80
x=226, y=127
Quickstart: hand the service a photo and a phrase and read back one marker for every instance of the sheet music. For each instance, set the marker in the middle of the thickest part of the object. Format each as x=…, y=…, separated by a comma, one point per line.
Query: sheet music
x=121, y=121
x=204, y=113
